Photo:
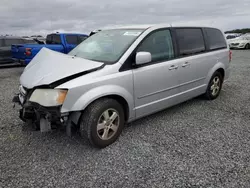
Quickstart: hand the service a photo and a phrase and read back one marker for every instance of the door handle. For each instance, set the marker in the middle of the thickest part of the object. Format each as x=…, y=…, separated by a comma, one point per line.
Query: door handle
x=172, y=67
x=186, y=64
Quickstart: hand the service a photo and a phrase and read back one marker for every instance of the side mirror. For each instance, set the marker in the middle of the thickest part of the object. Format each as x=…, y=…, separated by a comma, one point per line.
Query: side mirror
x=142, y=58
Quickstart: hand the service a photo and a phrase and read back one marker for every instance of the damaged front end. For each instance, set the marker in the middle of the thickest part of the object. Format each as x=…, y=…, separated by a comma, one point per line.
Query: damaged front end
x=43, y=118
x=39, y=96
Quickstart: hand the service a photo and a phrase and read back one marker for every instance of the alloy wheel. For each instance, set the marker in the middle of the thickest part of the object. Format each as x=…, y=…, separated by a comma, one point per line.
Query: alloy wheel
x=108, y=124
x=215, y=87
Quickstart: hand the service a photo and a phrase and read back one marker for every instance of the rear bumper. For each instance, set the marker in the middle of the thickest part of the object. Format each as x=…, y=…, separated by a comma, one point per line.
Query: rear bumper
x=21, y=61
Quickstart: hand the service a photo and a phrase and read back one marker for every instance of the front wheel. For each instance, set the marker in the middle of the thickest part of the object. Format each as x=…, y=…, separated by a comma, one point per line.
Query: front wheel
x=102, y=122
x=247, y=46
x=214, y=86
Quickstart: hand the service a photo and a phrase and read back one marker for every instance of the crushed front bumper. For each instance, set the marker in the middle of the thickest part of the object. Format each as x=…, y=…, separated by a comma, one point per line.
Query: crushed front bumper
x=43, y=117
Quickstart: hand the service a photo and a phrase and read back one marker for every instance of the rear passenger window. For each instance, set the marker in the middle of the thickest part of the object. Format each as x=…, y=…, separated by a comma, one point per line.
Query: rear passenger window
x=56, y=39
x=159, y=44
x=216, y=39
x=71, y=39
x=53, y=39
x=190, y=41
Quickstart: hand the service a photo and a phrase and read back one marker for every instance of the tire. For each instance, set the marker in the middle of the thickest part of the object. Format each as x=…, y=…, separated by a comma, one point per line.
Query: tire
x=101, y=112
x=247, y=46
x=212, y=94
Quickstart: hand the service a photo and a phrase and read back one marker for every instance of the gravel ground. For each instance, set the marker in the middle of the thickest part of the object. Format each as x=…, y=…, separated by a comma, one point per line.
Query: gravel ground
x=195, y=144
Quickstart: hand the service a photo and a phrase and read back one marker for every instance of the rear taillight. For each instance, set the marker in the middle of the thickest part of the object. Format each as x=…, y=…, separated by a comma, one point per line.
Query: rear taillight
x=27, y=51
x=230, y=55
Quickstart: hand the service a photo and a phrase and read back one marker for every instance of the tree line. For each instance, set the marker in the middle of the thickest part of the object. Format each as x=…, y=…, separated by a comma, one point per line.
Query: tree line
x=243, y=31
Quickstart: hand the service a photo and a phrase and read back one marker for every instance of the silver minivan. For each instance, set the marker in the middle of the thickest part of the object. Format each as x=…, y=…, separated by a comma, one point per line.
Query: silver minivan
x=119, y=75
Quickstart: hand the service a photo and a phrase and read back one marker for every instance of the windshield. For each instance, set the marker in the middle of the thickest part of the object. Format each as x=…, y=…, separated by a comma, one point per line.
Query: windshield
x=106, y=46
x=231, y=36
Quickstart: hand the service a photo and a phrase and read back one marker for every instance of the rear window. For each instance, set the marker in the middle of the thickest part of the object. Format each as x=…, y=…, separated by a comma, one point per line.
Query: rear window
x=53, y=39
x=9, y=42
x=216, y=39
x=72, y=39
x=190, y=41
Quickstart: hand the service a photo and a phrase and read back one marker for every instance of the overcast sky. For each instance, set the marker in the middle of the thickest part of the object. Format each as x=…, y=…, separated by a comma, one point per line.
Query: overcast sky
x=25, y=17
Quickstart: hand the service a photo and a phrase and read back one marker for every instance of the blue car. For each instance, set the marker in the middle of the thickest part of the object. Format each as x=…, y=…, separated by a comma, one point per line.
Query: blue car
x=60, y=42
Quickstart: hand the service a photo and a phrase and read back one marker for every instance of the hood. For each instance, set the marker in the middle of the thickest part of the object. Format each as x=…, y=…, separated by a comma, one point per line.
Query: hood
x=232, y=39
x=50, y=66
x=238, y=41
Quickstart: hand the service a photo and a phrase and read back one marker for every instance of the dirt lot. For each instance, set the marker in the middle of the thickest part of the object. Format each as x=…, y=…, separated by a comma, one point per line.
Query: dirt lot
x=195, y=144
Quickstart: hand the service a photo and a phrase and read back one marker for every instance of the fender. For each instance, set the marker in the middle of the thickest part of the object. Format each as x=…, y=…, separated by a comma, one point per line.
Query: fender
x=102, y=91
x=217, y=66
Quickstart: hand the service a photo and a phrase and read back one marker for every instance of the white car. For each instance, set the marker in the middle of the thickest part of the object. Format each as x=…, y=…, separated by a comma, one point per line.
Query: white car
x=242, y=42
x=231, y=36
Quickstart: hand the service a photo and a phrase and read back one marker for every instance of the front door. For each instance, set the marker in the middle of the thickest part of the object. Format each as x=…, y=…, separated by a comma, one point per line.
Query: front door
x=156, y=83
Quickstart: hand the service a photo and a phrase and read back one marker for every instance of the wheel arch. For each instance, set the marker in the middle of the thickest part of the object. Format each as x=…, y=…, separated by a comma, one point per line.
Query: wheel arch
x=220, y=67
x=248, y=45
x=222, y=71
x=124, y=97
x=120, y=100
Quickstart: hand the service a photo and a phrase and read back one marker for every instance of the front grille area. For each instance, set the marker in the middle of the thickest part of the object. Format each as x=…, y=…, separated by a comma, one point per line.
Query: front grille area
x=235, y=44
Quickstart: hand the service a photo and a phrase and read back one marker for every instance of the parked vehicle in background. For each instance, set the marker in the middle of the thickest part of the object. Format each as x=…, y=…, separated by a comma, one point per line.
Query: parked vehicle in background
x=5, y=47
x=122, y=74
x=230, y=36
x=242, y=42
x=60, y=42
x=39, y=39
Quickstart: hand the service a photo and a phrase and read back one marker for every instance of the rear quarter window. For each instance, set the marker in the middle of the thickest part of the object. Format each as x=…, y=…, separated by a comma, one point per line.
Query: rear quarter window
x=190, y=41
x=215, y=38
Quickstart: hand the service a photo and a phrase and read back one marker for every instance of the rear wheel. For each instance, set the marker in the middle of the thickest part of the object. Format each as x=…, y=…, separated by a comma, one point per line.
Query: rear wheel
x=214, y=86
x=102, y=122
